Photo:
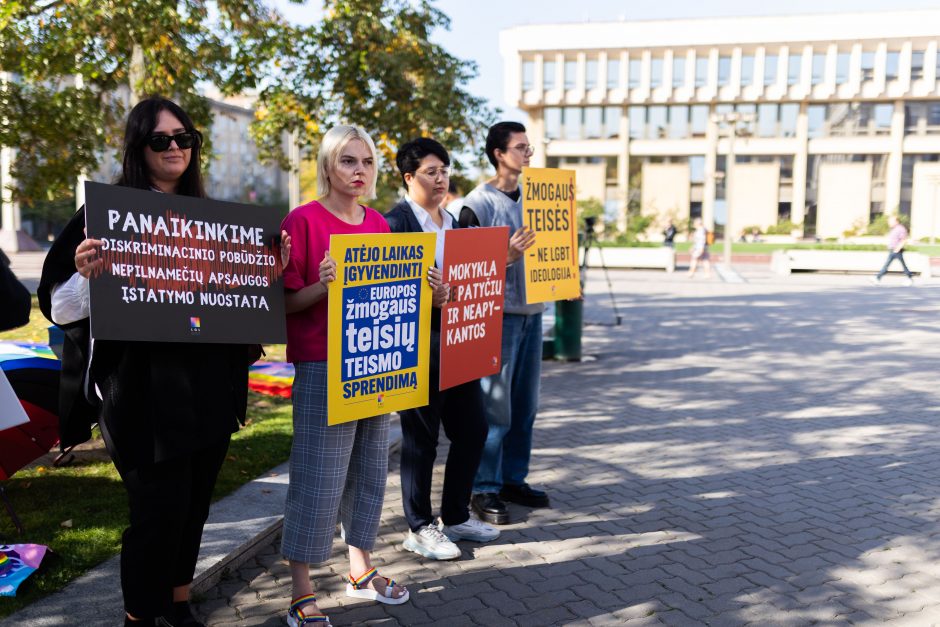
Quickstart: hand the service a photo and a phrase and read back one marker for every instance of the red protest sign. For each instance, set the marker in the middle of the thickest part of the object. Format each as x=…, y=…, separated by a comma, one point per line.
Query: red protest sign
x=472, y=322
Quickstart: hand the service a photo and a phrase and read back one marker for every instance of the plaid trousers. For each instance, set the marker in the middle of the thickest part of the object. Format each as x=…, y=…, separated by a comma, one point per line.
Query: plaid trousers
x=339, y=469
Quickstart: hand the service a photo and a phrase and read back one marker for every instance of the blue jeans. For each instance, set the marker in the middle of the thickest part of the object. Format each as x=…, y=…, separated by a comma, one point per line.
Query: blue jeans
x=891, y=257
x=511, y=400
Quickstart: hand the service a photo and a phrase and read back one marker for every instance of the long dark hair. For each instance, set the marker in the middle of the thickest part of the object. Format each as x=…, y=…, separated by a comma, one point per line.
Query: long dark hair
x=140, y=124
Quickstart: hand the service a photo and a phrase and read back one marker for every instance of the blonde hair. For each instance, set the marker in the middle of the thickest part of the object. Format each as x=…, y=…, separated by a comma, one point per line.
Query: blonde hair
x=331, y=147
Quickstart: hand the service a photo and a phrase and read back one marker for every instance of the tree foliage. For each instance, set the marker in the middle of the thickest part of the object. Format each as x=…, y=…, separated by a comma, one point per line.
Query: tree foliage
x=371, y=63
x=368, y=62
x=70, y=59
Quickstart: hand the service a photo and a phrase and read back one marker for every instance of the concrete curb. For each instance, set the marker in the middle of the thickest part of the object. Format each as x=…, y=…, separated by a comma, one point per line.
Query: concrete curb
x=239, y=526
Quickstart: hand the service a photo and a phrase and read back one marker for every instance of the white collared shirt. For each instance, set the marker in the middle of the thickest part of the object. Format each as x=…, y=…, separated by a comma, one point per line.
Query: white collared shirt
x=428, y=226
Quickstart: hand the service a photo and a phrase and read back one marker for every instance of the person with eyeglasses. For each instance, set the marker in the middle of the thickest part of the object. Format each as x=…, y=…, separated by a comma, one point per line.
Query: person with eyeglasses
x=166, y=410
x=425, y=172
x=511, y=396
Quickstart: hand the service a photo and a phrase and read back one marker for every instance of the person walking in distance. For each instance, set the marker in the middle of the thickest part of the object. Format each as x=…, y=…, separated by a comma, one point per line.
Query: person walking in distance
x=700, y=248
x=897, y=237
x=511, y=396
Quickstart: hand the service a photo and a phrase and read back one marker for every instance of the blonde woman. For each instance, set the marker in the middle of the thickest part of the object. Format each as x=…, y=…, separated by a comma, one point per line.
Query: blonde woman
x=339, y=469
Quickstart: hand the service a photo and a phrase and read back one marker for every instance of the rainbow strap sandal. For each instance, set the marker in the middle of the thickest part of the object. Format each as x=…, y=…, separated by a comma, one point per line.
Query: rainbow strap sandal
x=359, y=588
x=296, y=616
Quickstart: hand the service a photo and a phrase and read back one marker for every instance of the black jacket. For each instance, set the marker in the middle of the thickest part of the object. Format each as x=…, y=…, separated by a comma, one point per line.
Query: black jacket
x=401, y=219
x=15, y=301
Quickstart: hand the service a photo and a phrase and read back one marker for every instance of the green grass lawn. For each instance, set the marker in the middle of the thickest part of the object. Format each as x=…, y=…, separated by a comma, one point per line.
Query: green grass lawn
x=80, y=510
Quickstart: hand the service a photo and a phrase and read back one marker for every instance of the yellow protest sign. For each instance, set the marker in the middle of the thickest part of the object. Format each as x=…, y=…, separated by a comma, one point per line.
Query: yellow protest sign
x=549, y=209
x=380, y=324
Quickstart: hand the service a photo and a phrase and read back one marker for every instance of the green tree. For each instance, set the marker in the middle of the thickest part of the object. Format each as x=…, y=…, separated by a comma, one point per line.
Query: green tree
x=371, y=63
x=69, y=58
x=368, y=62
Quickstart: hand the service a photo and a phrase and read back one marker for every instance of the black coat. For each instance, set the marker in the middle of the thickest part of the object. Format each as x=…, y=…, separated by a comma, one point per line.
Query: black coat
x=160, y=399
x=401, y=219
x=15, y=301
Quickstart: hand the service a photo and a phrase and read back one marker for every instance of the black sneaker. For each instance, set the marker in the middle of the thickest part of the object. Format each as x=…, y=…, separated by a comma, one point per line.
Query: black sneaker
x=489, y=508
x=524, y=495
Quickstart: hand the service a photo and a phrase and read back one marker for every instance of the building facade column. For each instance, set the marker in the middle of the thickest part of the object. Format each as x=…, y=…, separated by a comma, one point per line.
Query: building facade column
x=800, y=160
x=895, y=160
x=711, y=169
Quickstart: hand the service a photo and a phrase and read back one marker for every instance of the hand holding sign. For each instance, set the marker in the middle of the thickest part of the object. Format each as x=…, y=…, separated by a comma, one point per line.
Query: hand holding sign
x=522, y=240
x=88, y=261
x=441, y=291
x=327, y=270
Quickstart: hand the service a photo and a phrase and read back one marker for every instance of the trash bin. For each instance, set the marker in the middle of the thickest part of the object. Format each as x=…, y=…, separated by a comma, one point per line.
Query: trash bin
x=568, y=323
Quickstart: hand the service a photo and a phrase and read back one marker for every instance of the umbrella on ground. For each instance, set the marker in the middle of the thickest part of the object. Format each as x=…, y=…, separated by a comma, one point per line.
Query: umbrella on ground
x=35, y=380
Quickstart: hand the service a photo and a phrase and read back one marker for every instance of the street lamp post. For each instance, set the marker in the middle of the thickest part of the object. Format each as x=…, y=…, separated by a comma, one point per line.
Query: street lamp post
x=731, y=119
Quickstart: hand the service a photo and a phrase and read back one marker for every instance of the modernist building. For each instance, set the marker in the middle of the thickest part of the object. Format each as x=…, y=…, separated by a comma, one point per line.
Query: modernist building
x=845, y=109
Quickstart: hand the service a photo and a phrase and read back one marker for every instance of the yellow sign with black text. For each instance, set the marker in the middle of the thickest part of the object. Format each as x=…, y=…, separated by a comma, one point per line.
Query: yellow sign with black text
x=380, y=324
x=550, y=210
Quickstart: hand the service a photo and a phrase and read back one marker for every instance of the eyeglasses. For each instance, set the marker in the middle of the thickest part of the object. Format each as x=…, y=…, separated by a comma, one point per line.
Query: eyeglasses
x=160, y=143
x=526, y=149
x=432, y=173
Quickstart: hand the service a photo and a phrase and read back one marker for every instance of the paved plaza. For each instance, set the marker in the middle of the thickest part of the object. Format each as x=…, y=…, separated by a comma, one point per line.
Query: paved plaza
x=762, y=453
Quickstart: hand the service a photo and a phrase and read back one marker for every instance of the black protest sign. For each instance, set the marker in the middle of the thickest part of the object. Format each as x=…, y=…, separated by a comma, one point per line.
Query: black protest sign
x=184, y=269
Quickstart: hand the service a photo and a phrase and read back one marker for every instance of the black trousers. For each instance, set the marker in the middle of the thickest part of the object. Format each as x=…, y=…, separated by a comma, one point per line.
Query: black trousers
x=169, y=504
x=460, y=410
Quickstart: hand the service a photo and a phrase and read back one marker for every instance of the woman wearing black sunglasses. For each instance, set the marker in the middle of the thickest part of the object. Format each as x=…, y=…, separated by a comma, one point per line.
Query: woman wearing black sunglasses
x=166, y=410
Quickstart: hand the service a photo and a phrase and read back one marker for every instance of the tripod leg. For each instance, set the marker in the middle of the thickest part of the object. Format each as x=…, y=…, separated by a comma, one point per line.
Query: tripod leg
x=10, y=511
x=610, y=288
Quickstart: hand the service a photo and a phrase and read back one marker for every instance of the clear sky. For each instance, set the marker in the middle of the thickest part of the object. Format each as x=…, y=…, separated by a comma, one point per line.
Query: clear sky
x=475, y=24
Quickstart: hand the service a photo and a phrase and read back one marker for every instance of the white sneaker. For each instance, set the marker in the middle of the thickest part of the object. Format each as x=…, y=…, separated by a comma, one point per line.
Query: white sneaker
x=430, y=542
x=874, y=280
x=473, y=530
x=909, y=282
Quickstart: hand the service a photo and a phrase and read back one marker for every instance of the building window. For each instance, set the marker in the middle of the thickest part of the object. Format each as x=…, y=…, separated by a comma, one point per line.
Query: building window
x=552, y=122
x=590, y=74
x=611, y=122
x=816, y=117
x=678, y=71
x=747, y=70
x=571, y=74
x=843, y=60
x=892, y=65
x=572, y=122
x=697, y=169
x=634, y=70
x=917, y=66
x=701, y=71
x=637, y=122
x=678, y=121
x=819, y=68
x=656, y=72
x=882, y=114
x=593, y=122
x=698, y=116
x=724, y=70
x=658, y=122
x=767, y=120
x=788, y=115
x=549, y=75
x=794, y=66
x=770, y=69
x=868, y=66
x=528, y=75
x=613, y=73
